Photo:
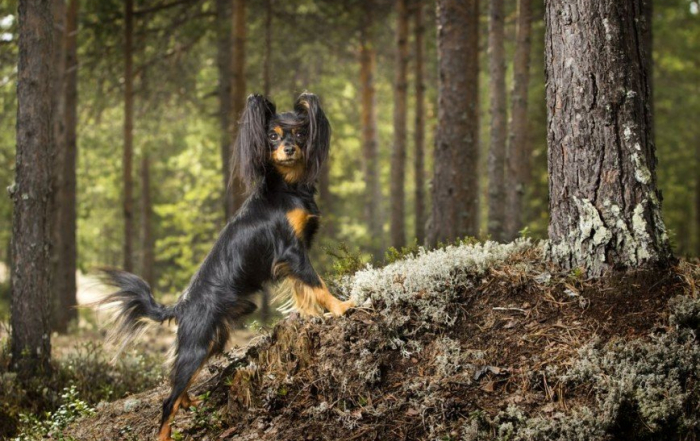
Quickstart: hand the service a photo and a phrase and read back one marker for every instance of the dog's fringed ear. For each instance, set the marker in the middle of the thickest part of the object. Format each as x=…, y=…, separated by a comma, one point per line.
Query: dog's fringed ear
x=319, y=136
x=251, y=147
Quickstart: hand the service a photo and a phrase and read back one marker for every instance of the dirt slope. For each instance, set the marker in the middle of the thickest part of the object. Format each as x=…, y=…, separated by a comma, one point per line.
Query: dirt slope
x=470, y=342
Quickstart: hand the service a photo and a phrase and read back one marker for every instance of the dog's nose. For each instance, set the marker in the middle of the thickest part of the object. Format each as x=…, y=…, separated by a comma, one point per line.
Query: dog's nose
x=289, y=149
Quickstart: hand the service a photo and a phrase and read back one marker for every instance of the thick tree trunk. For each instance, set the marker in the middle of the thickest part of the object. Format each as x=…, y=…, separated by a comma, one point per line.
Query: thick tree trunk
x=368, y=117
x=497, y=150
x=518, y=146
x=419, y=132
x=238, y=88
x=605, y=209
x=128, y=134
x=455, y=186
x=398, y=152
x=31, y=193
x=147, y=252
x=58, y=104
x=267, y=57
x=223, y=59
x=66, y=252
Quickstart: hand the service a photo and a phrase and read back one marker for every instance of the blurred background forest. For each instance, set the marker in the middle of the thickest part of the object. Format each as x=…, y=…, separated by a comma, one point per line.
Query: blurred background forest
x=309, y=45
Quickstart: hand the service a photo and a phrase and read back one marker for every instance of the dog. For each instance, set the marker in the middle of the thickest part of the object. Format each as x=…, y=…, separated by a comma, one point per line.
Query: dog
x=278, y=156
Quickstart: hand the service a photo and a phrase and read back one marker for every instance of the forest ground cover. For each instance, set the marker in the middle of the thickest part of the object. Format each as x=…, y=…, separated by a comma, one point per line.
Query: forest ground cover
x=475, y=341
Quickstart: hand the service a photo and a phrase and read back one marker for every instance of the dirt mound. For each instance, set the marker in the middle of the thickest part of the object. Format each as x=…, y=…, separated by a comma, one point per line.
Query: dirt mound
x=469, y=342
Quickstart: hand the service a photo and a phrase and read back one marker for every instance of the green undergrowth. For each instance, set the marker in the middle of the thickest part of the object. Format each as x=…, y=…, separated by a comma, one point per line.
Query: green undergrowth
x=37, y=407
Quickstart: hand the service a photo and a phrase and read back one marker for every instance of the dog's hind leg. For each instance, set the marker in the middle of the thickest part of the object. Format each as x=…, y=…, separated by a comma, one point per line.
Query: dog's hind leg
x=188, y=362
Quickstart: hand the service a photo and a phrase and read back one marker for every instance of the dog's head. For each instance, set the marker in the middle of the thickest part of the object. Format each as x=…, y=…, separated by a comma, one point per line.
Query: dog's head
x=293, y=144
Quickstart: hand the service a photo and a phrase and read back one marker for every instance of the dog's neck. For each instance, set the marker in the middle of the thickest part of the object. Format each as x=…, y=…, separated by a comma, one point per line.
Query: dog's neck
x=273, y=181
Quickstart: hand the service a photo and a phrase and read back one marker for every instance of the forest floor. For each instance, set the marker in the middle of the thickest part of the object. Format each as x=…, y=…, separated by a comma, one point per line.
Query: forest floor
x=86, y=370
x=501, y=346
x=472, y=342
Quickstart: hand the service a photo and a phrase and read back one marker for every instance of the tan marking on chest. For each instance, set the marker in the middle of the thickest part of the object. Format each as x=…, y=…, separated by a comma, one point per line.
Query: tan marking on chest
x=298, y=218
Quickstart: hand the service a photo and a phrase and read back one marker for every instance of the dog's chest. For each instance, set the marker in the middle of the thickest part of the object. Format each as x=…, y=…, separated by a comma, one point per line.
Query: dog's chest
x=303, y=222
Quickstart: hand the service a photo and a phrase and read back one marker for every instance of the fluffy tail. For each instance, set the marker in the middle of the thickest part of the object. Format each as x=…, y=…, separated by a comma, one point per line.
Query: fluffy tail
x=132, y=303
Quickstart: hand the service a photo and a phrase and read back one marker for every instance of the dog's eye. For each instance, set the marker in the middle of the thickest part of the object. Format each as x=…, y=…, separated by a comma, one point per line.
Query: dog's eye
x=274, y=137
x=301, y=135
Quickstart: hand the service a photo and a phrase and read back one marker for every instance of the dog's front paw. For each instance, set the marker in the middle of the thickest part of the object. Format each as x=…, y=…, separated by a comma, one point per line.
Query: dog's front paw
x=342, y=307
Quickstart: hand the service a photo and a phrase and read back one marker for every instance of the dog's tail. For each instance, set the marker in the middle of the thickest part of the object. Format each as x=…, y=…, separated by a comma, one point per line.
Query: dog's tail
x=132, y=304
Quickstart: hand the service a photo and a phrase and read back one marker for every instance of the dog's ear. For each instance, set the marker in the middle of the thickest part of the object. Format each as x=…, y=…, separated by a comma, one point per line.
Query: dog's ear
x=251, y=147
x=319, y=136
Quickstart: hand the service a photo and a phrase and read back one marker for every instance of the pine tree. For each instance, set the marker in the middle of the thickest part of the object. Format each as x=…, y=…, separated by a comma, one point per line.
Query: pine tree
x=455, y=186
x=31, y=192
x=605, y=209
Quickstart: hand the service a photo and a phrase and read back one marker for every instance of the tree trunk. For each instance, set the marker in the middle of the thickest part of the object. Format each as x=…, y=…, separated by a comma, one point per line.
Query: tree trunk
x=697, y=200
x=268, y=48
x=373, y=190
x=398, y=152
x=455, y=185
x=128, y=134
x=31, y=193
x=419, y=133
x=226, y=120
x=64, y=277
x=325, y=198
x=497, y=150
x=518, y=145
x=605, y=209
x=58, y=104
x=147, y=244
x=238, y=89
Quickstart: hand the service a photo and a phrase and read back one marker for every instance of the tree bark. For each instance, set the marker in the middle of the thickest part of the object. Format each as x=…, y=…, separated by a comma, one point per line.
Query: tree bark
x=497, y=150
x=518, y=157
x=267, y=57
x=148, y=252
x=697, y=200
x=398, y=152
x=237, y=90
x=605, y=209
x=373, y=191
x=455, y=186
x=31, y=193
x=419, y=132
x=326, y=198
x=128, y=134
x=226, y=120
x=58, y=104
x=65, y=246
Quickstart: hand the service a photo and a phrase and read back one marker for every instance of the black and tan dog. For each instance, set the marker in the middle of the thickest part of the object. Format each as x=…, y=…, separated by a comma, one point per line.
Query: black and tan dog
x=278, y=157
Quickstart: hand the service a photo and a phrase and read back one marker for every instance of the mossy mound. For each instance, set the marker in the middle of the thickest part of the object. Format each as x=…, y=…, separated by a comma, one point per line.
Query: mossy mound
x=469, y=342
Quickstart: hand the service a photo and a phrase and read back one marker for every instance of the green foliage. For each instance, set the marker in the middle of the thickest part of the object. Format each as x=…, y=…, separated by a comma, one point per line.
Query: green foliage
x=71, y=408
x=98, y=379
x=344, y=260
x=85, y=376
x=391, y=255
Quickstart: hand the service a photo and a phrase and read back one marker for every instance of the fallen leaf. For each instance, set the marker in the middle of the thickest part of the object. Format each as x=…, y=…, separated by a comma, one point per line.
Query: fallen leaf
x=228, y=432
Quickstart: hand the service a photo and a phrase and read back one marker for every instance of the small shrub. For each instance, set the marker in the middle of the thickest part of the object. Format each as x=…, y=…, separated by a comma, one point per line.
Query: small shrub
x=71, y=408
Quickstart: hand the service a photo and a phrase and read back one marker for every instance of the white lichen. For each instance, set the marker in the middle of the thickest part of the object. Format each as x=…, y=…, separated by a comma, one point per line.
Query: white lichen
x=639, y=229
x=627, y=133
x=428, y=282
x=641, y=171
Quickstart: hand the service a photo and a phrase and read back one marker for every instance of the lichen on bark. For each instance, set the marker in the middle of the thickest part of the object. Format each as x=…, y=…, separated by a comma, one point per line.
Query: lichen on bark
x=604, y=205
